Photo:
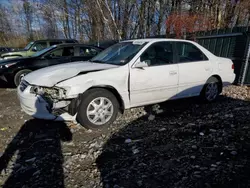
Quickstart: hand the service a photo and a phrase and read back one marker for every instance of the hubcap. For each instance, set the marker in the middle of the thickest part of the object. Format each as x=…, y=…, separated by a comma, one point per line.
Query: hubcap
x=21, y=76
x=211, y=91
x=100, y=110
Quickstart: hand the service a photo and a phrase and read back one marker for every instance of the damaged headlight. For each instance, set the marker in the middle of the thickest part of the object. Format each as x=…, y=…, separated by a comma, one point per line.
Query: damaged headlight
x=36, y=90
x=54, y=93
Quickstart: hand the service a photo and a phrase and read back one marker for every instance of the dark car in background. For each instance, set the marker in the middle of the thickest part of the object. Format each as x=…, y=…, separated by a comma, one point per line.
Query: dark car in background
x=34, y=47
x=5, y=50
x=13, y=70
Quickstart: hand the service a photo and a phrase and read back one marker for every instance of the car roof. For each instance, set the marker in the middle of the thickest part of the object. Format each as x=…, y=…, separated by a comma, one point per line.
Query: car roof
x=76, y=44
x=54, y=40
x=156, y=40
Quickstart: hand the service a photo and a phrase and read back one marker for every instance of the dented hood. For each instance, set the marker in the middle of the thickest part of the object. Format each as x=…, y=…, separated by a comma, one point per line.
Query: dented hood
x=50, y=76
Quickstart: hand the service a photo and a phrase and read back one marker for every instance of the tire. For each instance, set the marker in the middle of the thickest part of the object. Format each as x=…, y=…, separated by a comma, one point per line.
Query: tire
x=19, y=75
x=93, y=117
x=211, y=90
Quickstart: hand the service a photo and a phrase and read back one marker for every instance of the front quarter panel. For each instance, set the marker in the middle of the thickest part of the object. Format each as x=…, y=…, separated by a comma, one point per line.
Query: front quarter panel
x=116, y=78
x=30, y=53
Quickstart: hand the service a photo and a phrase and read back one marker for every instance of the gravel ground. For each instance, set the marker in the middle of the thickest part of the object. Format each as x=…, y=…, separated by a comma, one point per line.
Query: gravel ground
x=189, y=144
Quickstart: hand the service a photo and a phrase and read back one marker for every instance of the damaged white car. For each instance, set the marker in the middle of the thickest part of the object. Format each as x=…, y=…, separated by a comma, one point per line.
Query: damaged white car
x=128, y=74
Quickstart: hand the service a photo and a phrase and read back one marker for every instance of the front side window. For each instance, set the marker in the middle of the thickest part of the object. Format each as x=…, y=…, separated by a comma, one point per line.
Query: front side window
x=188, y=52
x=119, y=54
x=39, y=46
x=62, y=52
x=87, y=51
x=160, y=53
x=28, y=46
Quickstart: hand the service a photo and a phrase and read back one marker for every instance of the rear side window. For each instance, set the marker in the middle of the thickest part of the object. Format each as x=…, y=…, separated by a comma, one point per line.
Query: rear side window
x=62, y=52
x=38, y=46
x=188, y=52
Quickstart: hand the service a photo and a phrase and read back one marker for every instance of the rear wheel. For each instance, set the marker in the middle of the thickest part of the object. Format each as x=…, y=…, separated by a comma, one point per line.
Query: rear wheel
x=211, y=90
x=19, y=76
x=98, y=108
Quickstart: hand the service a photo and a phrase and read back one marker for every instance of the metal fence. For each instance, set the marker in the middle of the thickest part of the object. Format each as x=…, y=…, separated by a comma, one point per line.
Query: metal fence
x=230, y=43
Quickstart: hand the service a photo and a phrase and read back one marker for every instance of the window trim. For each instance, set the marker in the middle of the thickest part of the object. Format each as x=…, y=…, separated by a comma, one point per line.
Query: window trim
x=178, y=57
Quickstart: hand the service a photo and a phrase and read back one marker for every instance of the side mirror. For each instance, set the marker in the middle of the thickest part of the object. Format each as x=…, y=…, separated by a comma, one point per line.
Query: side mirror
x=141, y=64
x=34, y=49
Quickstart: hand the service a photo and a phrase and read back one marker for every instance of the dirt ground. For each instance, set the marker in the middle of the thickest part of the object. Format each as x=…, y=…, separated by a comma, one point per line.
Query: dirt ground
x=189, y=144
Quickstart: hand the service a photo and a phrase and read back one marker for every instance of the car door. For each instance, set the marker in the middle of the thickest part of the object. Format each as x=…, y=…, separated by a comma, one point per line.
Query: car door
x=194, y=69
x=85, y=53
x=158, y=80
x=60, y=55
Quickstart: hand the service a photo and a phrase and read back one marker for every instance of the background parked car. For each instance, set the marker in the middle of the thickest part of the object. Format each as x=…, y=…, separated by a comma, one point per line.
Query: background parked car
x=5, y=49
x=35, y=46
x=13, y=70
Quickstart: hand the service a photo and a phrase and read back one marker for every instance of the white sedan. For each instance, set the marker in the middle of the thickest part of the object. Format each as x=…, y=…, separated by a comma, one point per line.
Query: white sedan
x=128, y=74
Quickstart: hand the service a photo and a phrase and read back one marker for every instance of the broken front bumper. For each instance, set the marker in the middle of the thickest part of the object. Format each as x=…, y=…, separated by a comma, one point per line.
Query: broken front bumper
x=37, y=107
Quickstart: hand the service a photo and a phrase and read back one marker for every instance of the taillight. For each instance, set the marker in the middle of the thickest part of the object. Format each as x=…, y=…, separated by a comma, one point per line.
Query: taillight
x=233, y=66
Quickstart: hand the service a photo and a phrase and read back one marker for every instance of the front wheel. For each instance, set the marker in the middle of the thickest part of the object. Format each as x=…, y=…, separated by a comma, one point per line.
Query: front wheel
x=98, y=108
x=19, y=76
x=211, y=90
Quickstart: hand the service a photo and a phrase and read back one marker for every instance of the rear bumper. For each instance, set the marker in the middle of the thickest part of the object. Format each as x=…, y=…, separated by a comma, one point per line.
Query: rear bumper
x=228, y=79
x=37, y=107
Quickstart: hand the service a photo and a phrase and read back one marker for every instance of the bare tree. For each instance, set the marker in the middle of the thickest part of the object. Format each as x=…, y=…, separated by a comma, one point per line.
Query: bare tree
x=28, y=14
x=93, y=20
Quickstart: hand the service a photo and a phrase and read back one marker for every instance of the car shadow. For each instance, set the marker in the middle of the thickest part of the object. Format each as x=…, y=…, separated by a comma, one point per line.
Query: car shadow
x=39, y=158
x=189, y=144
x=37, y=155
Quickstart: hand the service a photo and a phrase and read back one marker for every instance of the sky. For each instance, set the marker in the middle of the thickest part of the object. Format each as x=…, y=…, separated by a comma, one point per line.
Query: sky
x=4, y=2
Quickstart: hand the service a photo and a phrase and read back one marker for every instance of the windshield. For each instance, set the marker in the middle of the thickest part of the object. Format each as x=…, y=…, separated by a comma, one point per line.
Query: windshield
x=43, y=51
x=119, y=54
x=28, y=46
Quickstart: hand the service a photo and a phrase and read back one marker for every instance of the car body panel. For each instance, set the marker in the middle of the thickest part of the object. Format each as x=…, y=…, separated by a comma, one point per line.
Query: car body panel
x=153, y=84
x=22, y=53
x=50, y=76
